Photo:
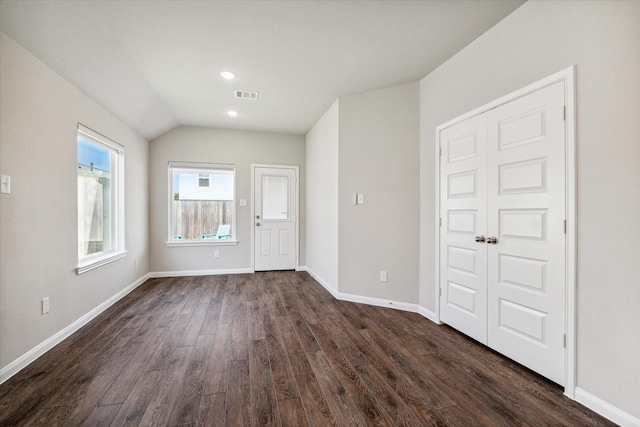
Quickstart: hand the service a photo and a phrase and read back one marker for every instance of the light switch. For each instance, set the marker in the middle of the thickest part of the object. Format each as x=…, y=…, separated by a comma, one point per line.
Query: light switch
x=5, y=184
x=360, y=199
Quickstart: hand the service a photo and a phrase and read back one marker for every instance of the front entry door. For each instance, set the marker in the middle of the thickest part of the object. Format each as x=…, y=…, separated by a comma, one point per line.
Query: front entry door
x=275, y=218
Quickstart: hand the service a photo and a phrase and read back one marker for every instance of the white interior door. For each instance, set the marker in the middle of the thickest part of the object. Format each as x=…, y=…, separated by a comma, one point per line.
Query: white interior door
x=526, y=205
x=463, y=260
x=275, y=218
x=502, y=237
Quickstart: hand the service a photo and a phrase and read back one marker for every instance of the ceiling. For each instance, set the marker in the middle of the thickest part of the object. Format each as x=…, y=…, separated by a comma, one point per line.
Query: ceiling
x=156, y=64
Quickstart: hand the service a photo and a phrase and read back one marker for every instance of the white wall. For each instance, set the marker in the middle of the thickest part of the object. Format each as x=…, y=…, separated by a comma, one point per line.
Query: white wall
x=39, y=112
x=540, y=38
x=379, y=157
x=241, y=148
x=322, y=198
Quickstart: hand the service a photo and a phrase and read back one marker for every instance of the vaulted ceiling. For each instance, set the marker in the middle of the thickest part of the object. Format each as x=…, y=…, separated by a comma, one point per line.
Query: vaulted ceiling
x=156, y=64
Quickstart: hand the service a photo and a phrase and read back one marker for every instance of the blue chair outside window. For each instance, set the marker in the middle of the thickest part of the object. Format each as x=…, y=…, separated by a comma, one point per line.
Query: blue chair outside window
x=223, y=232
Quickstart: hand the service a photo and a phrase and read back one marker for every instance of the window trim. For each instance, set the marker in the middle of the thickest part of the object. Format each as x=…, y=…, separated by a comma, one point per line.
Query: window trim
x=198, y=166
x=98, y=261
x=118, y=250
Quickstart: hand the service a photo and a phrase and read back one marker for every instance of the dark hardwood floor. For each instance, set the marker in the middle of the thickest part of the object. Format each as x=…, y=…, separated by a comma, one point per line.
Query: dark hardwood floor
x=274, y=349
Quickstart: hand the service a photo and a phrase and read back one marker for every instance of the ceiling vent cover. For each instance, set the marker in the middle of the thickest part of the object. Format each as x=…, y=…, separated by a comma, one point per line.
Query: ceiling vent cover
x=245, y=94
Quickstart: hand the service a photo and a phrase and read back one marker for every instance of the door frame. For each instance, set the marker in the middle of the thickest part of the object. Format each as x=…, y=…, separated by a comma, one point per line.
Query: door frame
x=568, y=77
x=296, y=209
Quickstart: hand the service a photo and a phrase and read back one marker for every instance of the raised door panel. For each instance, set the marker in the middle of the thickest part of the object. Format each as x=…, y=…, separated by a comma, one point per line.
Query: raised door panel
x=266, y=242
x=526, y=176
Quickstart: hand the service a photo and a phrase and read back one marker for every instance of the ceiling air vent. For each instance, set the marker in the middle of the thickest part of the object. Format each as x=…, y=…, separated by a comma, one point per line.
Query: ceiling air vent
x=245, y=94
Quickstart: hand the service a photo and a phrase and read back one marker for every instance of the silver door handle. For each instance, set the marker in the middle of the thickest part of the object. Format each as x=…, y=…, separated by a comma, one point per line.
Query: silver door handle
x=492, y=240
x=480, y=239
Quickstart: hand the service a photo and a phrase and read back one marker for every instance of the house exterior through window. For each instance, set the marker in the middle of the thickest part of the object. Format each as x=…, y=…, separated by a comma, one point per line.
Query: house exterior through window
x=100, y=170
x=201, y=203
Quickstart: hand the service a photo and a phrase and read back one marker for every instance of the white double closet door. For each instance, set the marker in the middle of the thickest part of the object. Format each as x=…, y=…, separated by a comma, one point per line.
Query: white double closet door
x=502, y=234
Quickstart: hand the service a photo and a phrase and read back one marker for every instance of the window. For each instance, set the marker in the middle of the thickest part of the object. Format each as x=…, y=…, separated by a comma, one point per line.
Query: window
x=100, y=200
x=201, y=204
x=203, y=180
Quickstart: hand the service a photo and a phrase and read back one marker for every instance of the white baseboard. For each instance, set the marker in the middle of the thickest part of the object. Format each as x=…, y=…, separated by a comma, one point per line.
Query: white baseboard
x=398, y=305
x=428, y=314
x=362, y=299
x=323, y=282
x=181, y=273
x=23, y=361
x=606, y=409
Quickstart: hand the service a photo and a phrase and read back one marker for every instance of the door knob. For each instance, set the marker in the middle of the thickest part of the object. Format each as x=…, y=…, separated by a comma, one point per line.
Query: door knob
x=257, y=224
x=258, y=216
x=480, y=239
x=492, y=240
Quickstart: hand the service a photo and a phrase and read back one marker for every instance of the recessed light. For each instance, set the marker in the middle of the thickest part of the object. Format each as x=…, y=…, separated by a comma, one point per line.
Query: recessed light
x=227, y=75
x=232, y=113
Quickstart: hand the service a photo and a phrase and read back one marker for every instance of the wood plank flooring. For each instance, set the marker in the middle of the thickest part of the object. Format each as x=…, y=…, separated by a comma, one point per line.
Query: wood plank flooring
x=274, y=349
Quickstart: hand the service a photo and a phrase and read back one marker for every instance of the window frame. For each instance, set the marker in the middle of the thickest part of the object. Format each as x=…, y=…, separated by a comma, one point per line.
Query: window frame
x=199, y=167
x=117, y=237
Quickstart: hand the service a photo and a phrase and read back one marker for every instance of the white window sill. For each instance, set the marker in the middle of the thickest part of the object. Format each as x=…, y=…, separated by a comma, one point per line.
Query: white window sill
x=90, y=264
x=204, y=242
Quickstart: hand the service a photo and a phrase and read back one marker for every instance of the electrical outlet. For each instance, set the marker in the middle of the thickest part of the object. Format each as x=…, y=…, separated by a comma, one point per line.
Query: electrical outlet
x=383, y=276
x=5, y=184
x=216, y=254
x=45, y=305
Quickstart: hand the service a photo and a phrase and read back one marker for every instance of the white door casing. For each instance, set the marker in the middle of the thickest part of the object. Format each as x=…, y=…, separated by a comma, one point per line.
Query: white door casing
x=275, y=217
x=514, y=153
